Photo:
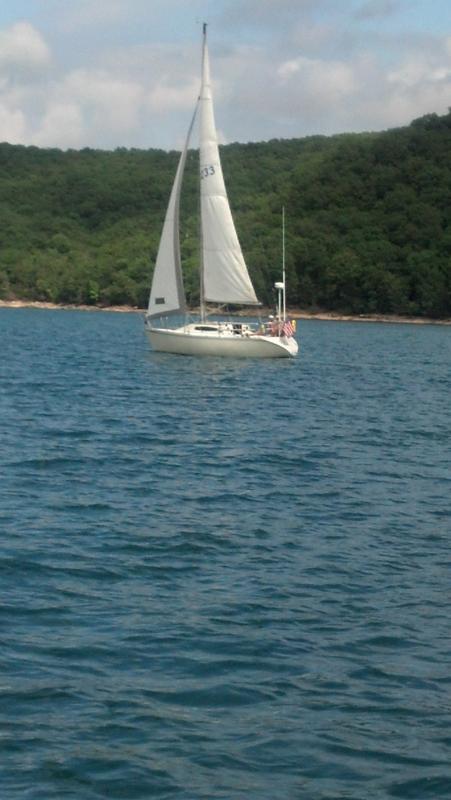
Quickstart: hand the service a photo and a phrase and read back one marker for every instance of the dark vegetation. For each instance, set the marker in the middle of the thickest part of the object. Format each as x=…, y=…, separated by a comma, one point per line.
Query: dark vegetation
x=368, y=220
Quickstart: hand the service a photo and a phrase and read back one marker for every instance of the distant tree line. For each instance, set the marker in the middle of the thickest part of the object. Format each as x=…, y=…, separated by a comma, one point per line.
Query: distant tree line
x=368, y=220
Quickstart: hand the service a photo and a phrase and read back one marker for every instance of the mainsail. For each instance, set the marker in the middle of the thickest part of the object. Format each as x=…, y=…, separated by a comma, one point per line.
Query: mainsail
x=225, y=275
x=167, y=295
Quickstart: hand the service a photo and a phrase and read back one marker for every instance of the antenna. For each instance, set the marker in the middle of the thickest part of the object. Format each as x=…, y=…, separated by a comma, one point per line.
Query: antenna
x=283, y=263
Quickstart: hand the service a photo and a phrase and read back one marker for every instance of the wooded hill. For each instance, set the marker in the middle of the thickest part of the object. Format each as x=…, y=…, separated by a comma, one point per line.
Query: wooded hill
x=368, y=220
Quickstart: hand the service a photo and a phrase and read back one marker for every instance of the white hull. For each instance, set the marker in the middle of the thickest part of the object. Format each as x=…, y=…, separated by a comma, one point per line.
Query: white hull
x=190, y=341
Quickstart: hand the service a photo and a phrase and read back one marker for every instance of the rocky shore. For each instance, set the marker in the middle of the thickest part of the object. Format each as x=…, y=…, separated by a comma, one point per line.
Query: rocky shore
x=294, y=313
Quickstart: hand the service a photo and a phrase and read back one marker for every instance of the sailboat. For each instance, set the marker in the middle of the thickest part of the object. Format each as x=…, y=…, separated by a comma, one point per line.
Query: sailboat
x=224, y=278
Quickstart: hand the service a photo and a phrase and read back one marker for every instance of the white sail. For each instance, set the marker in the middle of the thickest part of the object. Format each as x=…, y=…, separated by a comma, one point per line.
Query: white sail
x=225, y=275
x=167, y=295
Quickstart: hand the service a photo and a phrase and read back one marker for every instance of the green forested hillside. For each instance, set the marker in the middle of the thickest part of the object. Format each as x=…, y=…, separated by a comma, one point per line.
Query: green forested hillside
x=368, y=220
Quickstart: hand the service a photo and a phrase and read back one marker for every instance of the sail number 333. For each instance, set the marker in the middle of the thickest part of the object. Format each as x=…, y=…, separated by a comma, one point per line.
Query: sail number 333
x=207, y=171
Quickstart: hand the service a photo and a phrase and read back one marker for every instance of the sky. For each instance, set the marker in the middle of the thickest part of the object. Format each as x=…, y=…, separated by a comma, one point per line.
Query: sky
x=125, y=73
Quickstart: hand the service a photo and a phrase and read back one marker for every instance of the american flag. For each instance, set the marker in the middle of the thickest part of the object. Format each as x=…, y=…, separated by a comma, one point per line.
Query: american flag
x=287, y=328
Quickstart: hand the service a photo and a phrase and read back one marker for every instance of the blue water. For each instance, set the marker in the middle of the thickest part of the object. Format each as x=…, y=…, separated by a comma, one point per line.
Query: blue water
x=224, y=579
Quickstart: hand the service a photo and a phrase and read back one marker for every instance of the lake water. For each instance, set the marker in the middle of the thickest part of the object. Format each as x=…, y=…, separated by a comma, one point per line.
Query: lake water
x=224, y=579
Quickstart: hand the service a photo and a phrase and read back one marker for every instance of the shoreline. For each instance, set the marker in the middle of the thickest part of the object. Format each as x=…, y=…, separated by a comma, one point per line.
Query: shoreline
x=295, y=313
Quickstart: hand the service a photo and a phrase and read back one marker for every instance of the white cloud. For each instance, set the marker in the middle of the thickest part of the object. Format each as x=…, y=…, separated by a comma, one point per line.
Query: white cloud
x=61, y=123
x=420, y=71
x=22, y=47
x=297, y=96
x=328, y=78
x=319, y=75
x=164, y=99
x=111, y=101
x=88, y=108
x=12, y=125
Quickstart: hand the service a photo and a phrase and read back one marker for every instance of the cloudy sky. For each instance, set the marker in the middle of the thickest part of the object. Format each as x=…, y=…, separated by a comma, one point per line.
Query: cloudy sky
x=125, y=73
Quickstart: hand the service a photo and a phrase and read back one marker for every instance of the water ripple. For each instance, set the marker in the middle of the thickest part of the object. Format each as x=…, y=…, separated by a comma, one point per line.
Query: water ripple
x=223, y=580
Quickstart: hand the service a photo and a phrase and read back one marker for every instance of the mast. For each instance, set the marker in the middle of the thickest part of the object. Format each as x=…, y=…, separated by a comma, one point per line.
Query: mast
x=225, y=278
x=201, y=247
